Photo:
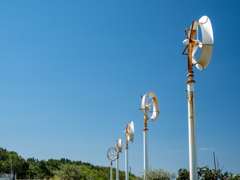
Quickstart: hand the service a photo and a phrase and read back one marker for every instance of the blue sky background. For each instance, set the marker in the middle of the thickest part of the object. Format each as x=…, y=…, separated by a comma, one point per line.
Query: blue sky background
x=72, y=72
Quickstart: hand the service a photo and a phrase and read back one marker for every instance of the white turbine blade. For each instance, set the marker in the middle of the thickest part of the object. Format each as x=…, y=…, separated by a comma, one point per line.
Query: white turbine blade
x=186, y=42
x=193, y=54
x=197, y=33
x=206, y=28
x=200, y=44
x=194, y=50
x=128, y=137
x=132, y=128
x=194, y=59
x=207, y=43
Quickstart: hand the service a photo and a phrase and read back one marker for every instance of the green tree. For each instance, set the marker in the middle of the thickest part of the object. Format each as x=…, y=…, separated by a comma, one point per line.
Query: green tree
x=204, y=173
x=53, y=168
x=183, y=174
x=11, y=160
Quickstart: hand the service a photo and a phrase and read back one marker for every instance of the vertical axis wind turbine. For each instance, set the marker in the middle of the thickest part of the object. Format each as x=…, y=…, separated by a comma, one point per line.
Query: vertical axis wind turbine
x=192, y=45
x=151, y=112
x=129, y=134
x=112, y=155
x=119, y=150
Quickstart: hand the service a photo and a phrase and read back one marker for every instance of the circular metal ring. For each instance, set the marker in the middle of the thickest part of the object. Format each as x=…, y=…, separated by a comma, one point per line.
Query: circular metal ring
x=150, y=110
x=112, y=154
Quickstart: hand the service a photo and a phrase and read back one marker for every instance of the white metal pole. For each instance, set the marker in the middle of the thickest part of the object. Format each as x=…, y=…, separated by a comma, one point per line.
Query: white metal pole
x=145, y=148
x=117, y=175
x=192, y=128
x=126, y=163
x=111, y=171
x=145, y=152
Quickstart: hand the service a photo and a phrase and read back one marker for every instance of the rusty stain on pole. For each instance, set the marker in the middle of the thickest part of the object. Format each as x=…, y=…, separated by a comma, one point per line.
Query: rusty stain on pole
x=145, y=124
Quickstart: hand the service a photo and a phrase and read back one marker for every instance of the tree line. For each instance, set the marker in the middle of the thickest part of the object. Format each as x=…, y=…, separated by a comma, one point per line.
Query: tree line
x=65, y=169
x=54, y=168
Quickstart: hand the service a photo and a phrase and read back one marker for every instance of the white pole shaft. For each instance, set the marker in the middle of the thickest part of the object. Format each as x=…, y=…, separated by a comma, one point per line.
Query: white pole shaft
x=111, y=171
x=117, y=175
x=192, y=132
x=126, y=163
x=145, y=152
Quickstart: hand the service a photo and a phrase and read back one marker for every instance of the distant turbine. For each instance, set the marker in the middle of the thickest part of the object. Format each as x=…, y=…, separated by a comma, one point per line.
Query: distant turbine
x=119, y=150
x=112, y=155
x=151, y=112
x=129, y=134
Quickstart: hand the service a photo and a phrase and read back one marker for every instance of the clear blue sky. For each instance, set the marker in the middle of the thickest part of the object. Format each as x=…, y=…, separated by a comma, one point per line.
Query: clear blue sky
x=72, y=72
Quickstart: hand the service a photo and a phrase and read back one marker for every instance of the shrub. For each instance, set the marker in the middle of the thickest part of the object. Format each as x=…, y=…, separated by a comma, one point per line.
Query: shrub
x=159, y=174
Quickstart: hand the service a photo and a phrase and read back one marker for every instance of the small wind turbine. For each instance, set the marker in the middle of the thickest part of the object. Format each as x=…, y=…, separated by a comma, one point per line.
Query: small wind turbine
x=112, y=155
x=119, y=150
x=192, y=45
x=129, y=134
x=151, y=112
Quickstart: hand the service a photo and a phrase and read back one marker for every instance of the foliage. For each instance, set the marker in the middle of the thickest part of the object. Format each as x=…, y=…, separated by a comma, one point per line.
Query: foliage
x=183, y=174
x=70, y=170
x=7, y=158
x=54, y=168
x=204, y=173
x=159, y=174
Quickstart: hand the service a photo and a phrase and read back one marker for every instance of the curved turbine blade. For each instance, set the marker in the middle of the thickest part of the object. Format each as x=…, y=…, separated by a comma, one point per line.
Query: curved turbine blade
x=194, y=60
x=193, y=29
x=200, y=44
x=194, y=49
x=197, y=33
